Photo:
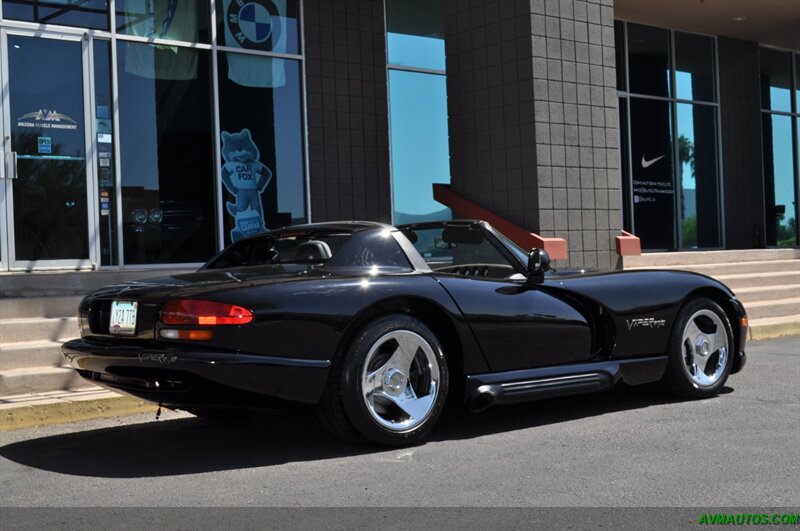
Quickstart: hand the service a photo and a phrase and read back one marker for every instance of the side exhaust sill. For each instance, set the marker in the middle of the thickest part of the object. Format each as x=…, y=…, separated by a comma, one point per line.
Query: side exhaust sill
x=486, y=390
x=487, y=396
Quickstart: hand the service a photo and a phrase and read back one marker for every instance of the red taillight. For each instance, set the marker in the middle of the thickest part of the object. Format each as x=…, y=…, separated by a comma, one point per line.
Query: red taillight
x=205, y=313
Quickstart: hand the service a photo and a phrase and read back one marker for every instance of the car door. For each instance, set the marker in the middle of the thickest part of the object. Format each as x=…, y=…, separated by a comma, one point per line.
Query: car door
x=518, y=324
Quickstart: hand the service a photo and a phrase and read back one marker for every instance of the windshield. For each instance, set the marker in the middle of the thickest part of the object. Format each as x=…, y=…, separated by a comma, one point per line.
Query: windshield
x=332, y=248
x=463, y=248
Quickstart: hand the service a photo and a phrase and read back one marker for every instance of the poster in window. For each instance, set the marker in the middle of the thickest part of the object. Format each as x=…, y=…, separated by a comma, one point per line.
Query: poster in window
x=652, y=173
x=162, y=19
x=255, y=25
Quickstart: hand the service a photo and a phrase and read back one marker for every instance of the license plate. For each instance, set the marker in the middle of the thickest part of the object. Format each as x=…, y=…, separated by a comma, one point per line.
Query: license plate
x=123, y=317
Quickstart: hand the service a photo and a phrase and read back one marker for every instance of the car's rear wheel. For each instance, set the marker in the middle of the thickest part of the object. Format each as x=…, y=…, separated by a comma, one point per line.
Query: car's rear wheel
x=700, y=355
x=391, y=385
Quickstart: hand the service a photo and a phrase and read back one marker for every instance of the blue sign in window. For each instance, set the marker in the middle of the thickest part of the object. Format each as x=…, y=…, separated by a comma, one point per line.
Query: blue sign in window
x=45, y=145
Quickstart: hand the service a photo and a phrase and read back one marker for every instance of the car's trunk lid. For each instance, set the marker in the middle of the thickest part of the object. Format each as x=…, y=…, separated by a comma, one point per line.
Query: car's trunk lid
x=149, y=294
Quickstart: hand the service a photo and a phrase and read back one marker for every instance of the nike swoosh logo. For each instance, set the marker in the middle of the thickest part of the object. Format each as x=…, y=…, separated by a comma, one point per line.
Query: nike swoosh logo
x=648, y=163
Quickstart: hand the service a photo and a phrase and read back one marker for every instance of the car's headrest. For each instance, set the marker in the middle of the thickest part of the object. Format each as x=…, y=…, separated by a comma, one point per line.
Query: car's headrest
x=313, y=251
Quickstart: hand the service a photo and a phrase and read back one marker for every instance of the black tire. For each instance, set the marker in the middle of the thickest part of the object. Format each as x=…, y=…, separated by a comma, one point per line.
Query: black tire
x=221, y=414
x=683, y=376
x=347, y=412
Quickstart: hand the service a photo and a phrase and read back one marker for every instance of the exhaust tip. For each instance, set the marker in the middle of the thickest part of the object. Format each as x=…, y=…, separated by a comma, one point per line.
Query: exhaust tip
x=481, y=401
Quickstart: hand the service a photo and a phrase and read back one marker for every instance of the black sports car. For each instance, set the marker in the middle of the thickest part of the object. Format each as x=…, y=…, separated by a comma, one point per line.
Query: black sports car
x=374, y=326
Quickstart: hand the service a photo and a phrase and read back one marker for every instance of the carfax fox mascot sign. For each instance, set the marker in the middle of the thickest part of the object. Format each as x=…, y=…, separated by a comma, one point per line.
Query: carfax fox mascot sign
x=246, y=178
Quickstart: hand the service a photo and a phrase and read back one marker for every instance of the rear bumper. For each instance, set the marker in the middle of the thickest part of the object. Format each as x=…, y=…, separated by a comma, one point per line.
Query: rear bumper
x=184, y=378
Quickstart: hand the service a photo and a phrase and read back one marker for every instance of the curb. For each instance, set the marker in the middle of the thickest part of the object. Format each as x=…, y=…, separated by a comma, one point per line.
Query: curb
x=771, y=328
x=14, y=417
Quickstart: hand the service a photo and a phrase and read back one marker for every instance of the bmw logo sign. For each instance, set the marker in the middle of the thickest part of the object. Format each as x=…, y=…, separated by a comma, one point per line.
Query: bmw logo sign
x=253, y=22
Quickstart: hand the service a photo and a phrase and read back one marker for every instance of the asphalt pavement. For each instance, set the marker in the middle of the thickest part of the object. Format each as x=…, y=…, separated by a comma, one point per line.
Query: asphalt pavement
x=629, y=447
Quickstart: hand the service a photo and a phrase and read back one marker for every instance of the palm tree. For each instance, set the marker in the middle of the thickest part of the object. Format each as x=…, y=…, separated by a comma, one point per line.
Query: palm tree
x=686, y=155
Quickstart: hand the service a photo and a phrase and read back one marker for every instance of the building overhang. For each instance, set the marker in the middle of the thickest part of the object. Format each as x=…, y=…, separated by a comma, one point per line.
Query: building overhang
x=770, y=22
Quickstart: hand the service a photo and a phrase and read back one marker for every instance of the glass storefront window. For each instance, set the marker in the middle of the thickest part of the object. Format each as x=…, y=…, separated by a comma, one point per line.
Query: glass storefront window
x=649, y=60
x=166, y=146
x=776, y=80
x=85, y=14
x=697, y=175
x=780, y=133
x=262, y=25
x=153, y=140
x=652, y=173
x=261, y=144
x=619, y=50
x=420, y=155
x=670, y=152
x=779, y=181
x=415, y=33
x=694, y=67
x=104, y=128
x=164, y=19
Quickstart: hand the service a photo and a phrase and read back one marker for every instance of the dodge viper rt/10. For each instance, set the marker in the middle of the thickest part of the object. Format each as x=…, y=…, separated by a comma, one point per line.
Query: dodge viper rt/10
x=374, y=326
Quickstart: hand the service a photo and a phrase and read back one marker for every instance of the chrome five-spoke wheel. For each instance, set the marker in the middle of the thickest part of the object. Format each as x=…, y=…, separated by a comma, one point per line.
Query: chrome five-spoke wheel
x=400, y=380
x=700, y=350
x=705, y=348
x=390, y=386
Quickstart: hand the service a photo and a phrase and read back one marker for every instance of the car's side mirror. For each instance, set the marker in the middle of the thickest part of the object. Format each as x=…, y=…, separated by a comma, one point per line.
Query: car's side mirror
x=538, y=262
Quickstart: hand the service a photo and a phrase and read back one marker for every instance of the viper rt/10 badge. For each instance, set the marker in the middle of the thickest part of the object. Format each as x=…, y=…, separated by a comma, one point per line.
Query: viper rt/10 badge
x=645, y=322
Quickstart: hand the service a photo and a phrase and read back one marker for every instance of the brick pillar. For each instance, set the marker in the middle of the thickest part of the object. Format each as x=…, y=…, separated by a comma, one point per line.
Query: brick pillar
x=533, y=121
x=348, y=129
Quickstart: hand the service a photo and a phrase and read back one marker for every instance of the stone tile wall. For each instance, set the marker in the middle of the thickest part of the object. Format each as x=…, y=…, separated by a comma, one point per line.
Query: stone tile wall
x=348, y=132
x=533, y=117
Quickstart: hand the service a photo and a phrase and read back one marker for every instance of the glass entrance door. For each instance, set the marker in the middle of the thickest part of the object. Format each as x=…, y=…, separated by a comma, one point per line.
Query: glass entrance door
x=46, y=127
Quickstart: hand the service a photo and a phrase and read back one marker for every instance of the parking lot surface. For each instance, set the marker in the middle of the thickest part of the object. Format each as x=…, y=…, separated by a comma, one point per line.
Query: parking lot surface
x=628, y=447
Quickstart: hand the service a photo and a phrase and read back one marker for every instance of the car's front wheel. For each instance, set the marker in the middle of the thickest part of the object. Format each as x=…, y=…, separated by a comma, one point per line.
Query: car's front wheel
x=701, y=350
x=391, y=385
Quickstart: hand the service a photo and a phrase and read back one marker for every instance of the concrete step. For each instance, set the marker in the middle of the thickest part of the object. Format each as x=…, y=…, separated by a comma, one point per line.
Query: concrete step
x=30, y=354
x=767, y=293
x=71, y=283
x=770, y=327
x=734, y=268
x=55, y=397
x=21, y=307
x=709, y=257
x=751, y=280
x=38, y=379
x=34, y=329
x=776, y=308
